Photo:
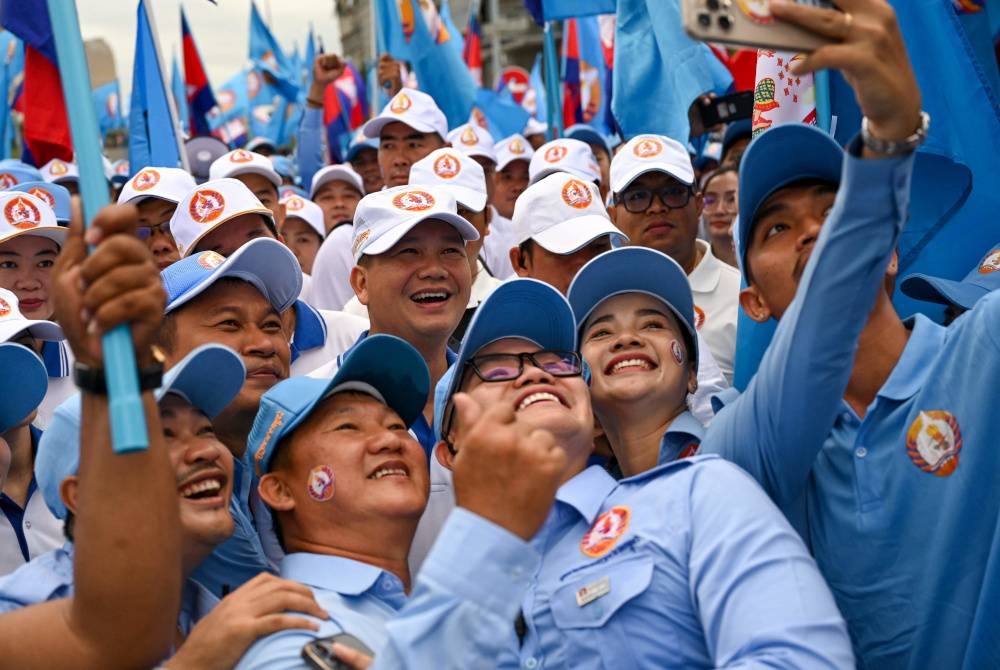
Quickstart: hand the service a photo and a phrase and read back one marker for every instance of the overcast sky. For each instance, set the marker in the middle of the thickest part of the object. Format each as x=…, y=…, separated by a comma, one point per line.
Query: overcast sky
x=221, y=31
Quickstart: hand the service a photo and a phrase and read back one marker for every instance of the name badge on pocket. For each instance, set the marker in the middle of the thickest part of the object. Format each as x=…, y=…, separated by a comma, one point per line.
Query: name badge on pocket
x=593, y=591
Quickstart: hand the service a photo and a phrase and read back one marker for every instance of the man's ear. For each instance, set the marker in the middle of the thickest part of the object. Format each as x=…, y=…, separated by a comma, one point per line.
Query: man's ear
x=275, y=492
x=692, y=387
x=443, y=454
x=699, y=202
x=67, y=492
x=754, y=305
x=359, y=282
x=613, y=213
x=519, y=262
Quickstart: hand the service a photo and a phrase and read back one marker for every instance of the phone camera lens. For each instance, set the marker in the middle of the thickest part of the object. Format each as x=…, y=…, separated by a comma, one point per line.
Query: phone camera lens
x=705, y=20
x=726, y=22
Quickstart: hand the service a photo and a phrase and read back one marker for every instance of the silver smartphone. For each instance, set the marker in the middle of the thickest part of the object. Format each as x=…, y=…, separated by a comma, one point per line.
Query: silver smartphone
x=748, y=23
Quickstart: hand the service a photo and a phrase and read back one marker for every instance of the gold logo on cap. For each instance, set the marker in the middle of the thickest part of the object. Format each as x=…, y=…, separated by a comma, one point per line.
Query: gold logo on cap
x=294, y=203
x=58, y=168
x=43, y=195
x=258, y=455
x=554, y=154
x=517, y=147
x=469, y=137
x=206, y=206
x=146, y=179
x=359, y=240
x=22, y=213
x=991, y=264
x=648, y=148
x=576, y=194
x=241, y=156
x=210, y=260
x=413, y=201
x=447, y=166
x=400, y=103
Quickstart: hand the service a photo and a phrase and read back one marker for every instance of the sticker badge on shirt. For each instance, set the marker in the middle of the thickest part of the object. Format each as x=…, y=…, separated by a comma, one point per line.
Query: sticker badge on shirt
x=934, y=441
x=606, y=531
x=991, y=263
x=593, y=591
x=321, y=483
x=699, y=317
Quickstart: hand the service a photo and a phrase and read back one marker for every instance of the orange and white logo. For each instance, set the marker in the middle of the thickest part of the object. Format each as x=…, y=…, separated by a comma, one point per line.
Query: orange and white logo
x=699, y=317
x=58, y=169
x=413, y=201
x=294, y=203
x=576, y=194
x=648, y=148
x=400, y=103
x=241, y=156
x=22, y=213
x=258, y=455
x=757, y=10
x=5, y=308
x=359, y=240
x=206, y=206
x=933, y=442
x=517, y=147
x=447, y=166
x=146, y=179
x=991, y=264
x=7, y=180
x=554, y=154
x=606, y=531
x=469, y=137
x=210, y=260
x=43, y=195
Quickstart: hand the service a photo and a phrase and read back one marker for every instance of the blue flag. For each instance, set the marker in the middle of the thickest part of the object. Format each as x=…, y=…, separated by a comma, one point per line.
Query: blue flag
x=11, y=71
x=231, y=123
x=178, y=91
x=107, y=104
x=151, y=129
x=556, y=10
x=536, y=87
x=269, y=58
x=389, y=36
x=504, y=116
x=441, y=72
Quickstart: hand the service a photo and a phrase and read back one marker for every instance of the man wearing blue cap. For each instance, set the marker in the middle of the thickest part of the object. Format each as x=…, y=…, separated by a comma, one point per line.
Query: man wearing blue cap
x=861, y=432
x=957, y=296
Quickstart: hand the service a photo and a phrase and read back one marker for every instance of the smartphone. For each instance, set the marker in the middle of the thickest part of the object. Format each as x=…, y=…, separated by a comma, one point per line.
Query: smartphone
x=725, y=109
x=319, y=653
x=748, y=23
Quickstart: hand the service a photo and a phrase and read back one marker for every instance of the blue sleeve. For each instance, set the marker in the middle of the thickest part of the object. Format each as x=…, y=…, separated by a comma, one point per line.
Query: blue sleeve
x=760, y=597
x=283, y=650
x=461, y=613
x=775, y=429
x=309, y=145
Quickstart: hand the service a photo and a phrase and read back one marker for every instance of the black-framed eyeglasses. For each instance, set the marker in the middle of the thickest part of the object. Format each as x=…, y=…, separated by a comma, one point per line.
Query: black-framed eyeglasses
x=146, y=232
x=638, y=200
x=505, y=367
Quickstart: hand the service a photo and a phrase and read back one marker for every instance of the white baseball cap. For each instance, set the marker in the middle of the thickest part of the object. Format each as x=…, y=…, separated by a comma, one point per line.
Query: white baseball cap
x=57, y=171
x=535, y=127
x=473, y=141
x=13, y=323
x=297, y=207
x=650, y=153
x=26, y=214
x=241, y=161
x=562, y=214
x=383, y=217
x=455, y=172
x=341, y=172
x=564, y=155
x=414, y=108
x=209, y=206
x=513, y=148
x=164, y=183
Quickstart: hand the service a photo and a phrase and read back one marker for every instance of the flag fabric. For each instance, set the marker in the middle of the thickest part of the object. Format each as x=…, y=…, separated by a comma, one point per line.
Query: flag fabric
x=46, y=126
x=557, y=10
x=307, y=62
x=534, y=98
x=780, y=96
x=269, y=58
x=500, y=114
x=585, y=75
x=151, y=129
x=177, y=89
x=447, y=31
x=472, y=52
x=741, y=63
x=199, y=99
x=390, y=36
x=108, y=106
x=440, y=71
x=11, y=76
x=656, y=60
x=345, y=109
x=230, y=120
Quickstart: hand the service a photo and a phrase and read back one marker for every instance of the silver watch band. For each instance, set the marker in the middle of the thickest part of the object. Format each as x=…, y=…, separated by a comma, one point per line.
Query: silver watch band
x=897, y=147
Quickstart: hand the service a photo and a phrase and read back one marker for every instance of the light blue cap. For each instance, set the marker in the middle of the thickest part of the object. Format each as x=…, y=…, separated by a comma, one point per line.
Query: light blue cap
x=589, y=134
x=15, y=172
x=983, y=278
x=360, y=144
x=22, y=385
x=56, y=195
x=209, y=378
x=383, y=366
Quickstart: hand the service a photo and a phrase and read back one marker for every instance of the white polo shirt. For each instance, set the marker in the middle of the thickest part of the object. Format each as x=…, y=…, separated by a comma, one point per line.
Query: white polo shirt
x=336, y=330
x=331, y=274
x=716, y=290
x=497, y=246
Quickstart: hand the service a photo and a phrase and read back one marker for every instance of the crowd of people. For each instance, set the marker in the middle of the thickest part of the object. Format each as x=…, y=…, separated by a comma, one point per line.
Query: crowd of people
x=468, y=404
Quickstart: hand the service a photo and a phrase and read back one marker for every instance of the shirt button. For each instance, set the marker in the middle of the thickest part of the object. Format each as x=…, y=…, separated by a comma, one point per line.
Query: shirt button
x=386, y=585
x=846, y=417
x=531, y=662
x=861, y=452
x=27, y=524
x=516, y=572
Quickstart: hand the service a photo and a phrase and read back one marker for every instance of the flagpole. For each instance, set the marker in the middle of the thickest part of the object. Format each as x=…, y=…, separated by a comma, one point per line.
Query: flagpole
x=374, y=85
x=495, y=40
x=821, y=82
x=128, y=422
x=552, y=84
x=174, y=121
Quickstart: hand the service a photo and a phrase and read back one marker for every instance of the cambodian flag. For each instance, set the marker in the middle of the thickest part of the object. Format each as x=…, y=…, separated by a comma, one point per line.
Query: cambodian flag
x=572, y=112
x=345, y=108
x=198, y=91
x=472, y=48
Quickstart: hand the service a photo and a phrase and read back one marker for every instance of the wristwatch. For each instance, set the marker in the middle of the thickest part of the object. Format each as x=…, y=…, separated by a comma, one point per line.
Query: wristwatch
x=896, y=147
x=92, y=380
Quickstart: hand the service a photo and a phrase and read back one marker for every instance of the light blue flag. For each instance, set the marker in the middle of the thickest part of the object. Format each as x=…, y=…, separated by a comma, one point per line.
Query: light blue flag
x=537, y=84
x=441, y=73
x=556, y=10
x=11, y=74
x=656, y=60
x=268, y=56
x=151, y=129
x=232, y=120
x=307, y=65
x=107, y=104
x=389, y=37
x=179, y=92
x=454, y=33
x=504, y=116
x=593, y=74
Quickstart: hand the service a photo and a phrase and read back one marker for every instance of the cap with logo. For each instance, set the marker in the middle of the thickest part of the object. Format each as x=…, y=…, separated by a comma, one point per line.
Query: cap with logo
x=358, y=144
x=209, y=378
x=473, y=141
x=297, y=207
x=22, y=385
x=58, y=171
x=735, y=131
x=383, y=217
x=266, y=264
x=382, y=366
x=650, y=153
x=534, y=127
x=562, y=214
x=588, y=134
x=120, y=171
x=240, y=162
x=414, y=108
x=983, y=278
x=634, y=270
x=209, y=206
x=513, y=148
x=339, y=172
x=288, y=189
x=14, y=172
x=564, y=155
x=55, y=196
x=164, y=183
x=523, y=308
x=26, y=214
x=13, y=323
x=285, y=167
x=455, y=172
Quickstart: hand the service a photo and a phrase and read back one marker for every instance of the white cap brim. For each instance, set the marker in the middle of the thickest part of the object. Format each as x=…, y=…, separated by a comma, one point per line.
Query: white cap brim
x=47, y=331
x=55, y=233
x=467, y=197
x=574, y=234
x=685, y=177
x=374, y=127
x=389, y=239
x=271, y=175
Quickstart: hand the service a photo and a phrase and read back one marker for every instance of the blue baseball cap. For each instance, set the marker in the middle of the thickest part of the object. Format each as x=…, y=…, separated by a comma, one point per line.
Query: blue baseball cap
x=13, y=172
x=634, y=270
x=588, y=134
x=209, y=378
x=358, y=145
x=985, y=277
x=22, y=385
x=284, y=166
x=776, y=158
x=382, y=366
x=265, y=263
x=736, y=130
x=524, y=308
x=56, y=196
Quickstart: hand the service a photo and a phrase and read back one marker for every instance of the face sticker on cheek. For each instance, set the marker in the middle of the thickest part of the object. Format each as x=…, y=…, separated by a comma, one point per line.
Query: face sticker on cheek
x=321, y=484
x=678, y=353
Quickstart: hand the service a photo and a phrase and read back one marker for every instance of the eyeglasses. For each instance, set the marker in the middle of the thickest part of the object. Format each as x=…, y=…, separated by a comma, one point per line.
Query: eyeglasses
x=505, y=367
x=713, y=199
x=146, y=232
x=638, y=200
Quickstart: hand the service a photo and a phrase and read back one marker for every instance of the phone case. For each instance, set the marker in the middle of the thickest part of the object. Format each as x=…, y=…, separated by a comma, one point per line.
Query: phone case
x=746, y=23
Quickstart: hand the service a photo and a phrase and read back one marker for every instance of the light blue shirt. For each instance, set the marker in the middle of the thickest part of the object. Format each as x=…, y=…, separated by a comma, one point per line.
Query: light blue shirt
x=681, y=439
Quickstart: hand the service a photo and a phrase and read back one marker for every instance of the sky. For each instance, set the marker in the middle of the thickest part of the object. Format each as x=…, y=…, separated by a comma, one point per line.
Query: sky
x=221, y=31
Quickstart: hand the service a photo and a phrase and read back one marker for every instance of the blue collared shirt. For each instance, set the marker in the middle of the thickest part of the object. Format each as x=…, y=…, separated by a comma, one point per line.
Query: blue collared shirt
x=310, y=329
x=681, y=439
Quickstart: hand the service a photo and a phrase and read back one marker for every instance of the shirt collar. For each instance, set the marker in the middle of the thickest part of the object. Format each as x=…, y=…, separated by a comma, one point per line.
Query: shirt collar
x=587, y=491
x=310, y=329
x=196, y=603
x=705, y=276
x=330, y=573
x=912, y=368
x=683, y=432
